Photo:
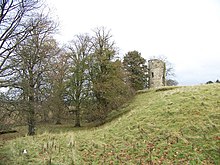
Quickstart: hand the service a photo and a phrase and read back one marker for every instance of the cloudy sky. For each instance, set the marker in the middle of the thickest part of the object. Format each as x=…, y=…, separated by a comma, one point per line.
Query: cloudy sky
x=187, y=32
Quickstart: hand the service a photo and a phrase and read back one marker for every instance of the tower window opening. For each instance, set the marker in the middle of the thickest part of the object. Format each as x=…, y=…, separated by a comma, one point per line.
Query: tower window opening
x=152, y=74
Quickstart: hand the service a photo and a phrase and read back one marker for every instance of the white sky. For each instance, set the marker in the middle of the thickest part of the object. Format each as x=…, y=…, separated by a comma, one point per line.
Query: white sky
x=187, y=32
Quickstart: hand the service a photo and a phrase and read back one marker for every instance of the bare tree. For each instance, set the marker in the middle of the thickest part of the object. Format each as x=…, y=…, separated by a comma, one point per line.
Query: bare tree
x=57, y=76
x=31, y=63
x=78, y=84
x=13, y=30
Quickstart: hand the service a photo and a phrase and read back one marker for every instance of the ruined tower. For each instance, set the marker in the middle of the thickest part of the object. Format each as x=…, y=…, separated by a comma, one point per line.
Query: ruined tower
x=157, y=73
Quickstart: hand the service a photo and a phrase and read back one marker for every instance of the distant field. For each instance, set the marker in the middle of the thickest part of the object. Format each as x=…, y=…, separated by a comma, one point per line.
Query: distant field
x=179, y=125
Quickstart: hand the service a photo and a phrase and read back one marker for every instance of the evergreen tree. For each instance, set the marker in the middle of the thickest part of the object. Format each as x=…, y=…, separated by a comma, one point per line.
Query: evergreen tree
x=136, y=69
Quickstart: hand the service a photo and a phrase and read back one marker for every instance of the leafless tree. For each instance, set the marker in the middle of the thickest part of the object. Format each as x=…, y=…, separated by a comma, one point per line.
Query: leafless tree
x=31, y=63
x=57, y=76
x=79, y=50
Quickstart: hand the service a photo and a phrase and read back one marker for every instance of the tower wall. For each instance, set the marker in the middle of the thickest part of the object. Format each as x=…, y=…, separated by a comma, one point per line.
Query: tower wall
x=157, y=73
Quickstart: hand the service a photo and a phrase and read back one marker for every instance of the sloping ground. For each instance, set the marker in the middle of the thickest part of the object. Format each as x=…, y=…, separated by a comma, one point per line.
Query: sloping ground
x=165, y=126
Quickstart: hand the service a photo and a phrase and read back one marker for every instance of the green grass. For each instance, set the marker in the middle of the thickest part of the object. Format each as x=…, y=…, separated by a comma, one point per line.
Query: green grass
x=168, y=126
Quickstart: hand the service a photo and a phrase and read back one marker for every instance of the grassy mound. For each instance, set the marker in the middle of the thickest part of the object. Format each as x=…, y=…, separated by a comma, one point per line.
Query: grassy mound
x=175, y=126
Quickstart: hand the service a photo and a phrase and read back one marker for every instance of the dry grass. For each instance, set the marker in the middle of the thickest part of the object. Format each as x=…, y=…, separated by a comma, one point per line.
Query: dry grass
x=175, y=126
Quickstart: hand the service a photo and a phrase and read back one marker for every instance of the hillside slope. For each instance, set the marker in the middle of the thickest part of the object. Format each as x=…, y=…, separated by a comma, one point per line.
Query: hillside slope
x=165, y=126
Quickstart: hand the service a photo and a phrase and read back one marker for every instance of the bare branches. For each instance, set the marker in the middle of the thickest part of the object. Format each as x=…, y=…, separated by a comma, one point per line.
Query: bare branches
x=102, y=40
x=13, y=16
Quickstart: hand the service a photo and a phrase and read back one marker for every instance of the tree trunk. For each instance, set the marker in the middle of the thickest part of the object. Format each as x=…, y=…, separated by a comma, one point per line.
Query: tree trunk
x=77, y=122
x=31, y=127
x=31, y=119
x=58, y=120
x=58, y=115
x=31, y=112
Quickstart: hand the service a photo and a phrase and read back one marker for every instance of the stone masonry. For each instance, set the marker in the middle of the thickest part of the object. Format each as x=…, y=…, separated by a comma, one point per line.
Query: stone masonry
x=157, y=73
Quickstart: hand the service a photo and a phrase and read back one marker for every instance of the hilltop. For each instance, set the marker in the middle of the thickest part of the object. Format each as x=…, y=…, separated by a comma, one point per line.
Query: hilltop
x=170, y=125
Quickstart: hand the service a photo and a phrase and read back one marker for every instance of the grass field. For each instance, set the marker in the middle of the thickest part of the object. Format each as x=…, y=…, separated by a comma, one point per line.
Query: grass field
x=179, y=125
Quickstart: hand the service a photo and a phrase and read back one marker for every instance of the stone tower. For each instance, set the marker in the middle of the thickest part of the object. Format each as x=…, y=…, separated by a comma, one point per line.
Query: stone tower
x=157, y=73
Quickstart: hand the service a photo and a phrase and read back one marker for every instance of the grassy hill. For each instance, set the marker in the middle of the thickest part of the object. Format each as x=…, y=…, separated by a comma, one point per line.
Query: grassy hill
x=164, y=126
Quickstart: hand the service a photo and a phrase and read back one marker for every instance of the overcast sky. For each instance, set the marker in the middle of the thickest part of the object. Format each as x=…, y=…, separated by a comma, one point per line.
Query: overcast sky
x=187, y=32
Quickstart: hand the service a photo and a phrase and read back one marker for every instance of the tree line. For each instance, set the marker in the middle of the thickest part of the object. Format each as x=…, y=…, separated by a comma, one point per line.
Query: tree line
x=39, y=78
